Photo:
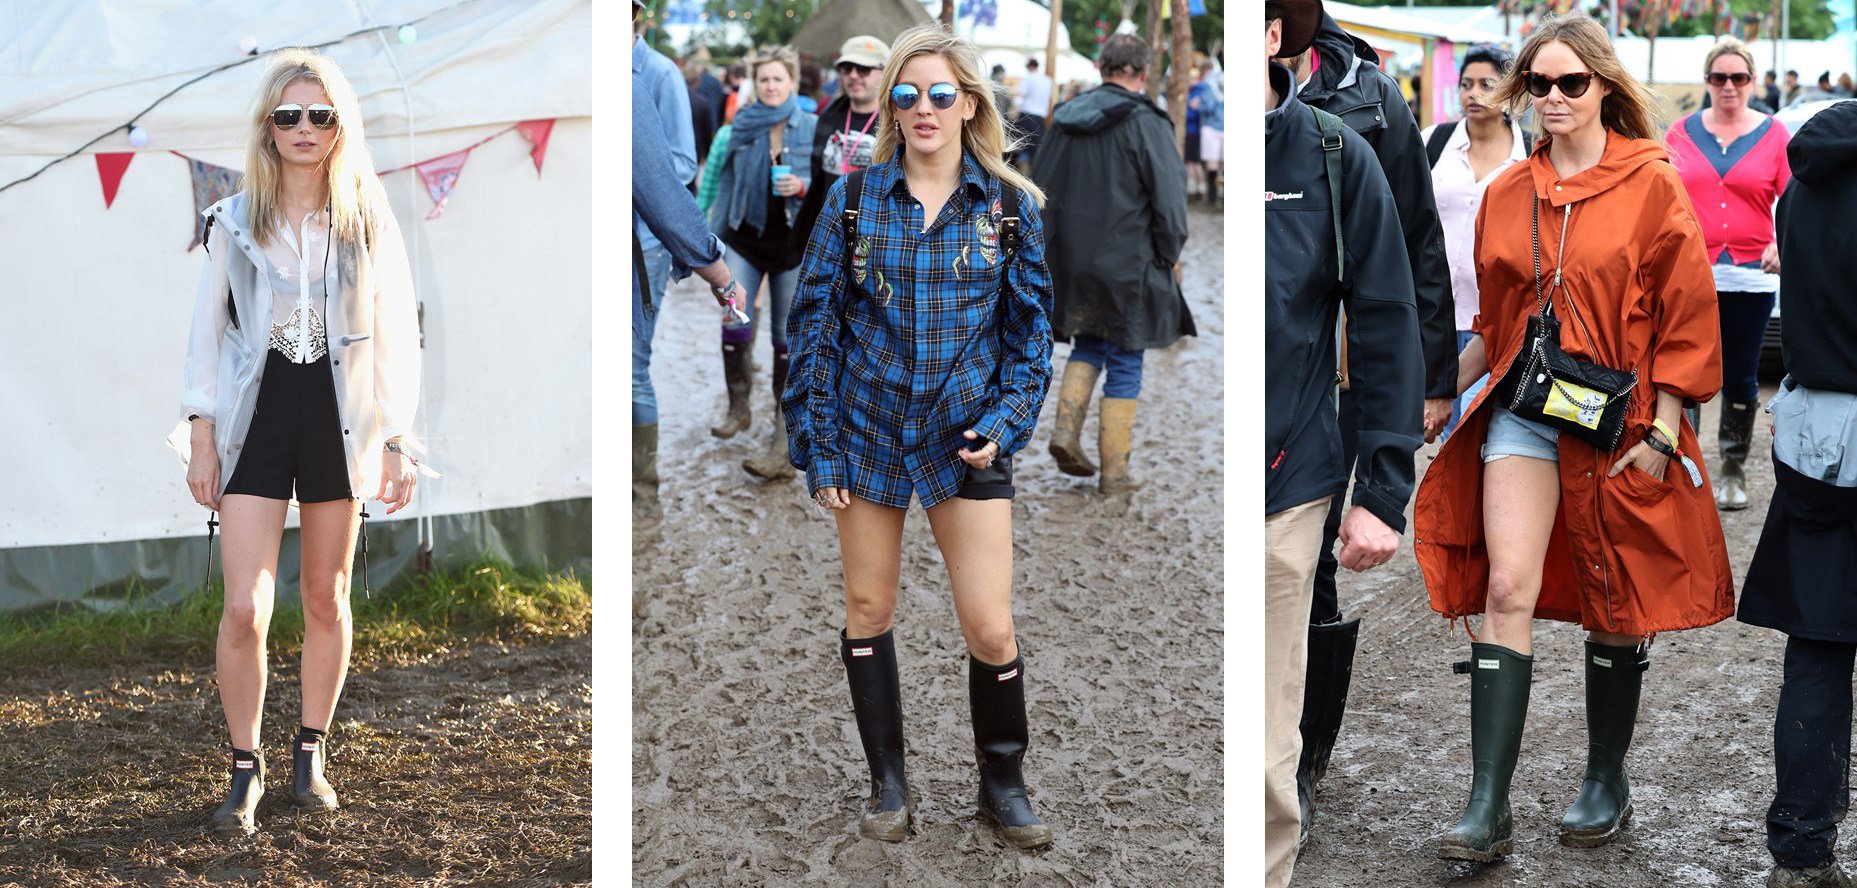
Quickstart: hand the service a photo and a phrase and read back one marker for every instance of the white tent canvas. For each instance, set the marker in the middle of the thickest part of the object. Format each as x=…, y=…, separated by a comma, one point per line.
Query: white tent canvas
x=98, y=300
x=1018, y=30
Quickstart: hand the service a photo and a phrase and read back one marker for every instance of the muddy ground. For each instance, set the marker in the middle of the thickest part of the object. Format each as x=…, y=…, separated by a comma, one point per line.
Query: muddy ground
x=1701, y=765
x=470, y=768
x=746, y=764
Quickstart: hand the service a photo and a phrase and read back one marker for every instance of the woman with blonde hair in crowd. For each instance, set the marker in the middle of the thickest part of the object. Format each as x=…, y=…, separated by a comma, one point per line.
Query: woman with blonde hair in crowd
x=1733, y=162
x=922, y=352
x=1527, y=512
x=302, y=376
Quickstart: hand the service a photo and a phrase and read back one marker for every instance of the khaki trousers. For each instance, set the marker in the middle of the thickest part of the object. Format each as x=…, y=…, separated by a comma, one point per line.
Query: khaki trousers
x=1292, y=542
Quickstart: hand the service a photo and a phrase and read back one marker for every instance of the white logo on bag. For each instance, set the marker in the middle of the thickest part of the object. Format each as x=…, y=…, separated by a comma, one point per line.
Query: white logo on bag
x=1285, y=195
x=1008, y=676
x=862, y=652
x=1489, y=664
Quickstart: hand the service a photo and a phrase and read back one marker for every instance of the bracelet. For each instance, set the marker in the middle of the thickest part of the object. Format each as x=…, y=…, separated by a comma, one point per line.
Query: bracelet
x=1663, y=427
x=722, y=291
x=1659, y=446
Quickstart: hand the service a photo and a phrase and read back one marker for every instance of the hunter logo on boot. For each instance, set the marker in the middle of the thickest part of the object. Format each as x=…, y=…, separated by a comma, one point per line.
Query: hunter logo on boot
x=1601, y=661
x=244, y=766
x=309, y=746
x=862, y=652
x=1008, y=676
x=1489, y=664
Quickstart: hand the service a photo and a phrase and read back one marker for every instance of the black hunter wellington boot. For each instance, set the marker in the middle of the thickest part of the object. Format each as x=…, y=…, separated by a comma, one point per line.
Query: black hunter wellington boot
x=1735, y=434
x=876, y=698
x=1614, y=677
x=307, y=785
x=1325, y=698
x=238, y=816
x=1499, y=681
x=738, y=377
x=996, y=694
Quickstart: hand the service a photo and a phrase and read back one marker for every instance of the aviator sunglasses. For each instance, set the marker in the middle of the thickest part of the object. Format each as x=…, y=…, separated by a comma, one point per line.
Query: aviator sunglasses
x=851, y=67
x=286, y=117
x=941, y=95
x=1739, y=78
x=1572, y=86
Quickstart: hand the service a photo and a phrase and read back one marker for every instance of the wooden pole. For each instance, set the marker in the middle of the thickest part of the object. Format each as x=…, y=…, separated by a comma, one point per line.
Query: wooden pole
x=1181, y=73
x=1057, y=12
x=947, y=15
x=1426, y=87
x=1153, y=35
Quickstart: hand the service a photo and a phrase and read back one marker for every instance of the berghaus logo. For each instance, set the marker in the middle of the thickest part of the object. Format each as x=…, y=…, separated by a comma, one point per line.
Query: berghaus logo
x=1282, y=195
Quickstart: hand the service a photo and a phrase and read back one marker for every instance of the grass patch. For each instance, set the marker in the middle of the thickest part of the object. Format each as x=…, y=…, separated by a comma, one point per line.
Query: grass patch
x=415, y=618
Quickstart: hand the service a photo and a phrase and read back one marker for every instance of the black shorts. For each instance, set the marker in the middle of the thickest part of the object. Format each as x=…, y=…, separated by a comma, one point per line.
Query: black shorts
x=1192, y=146
x=295, y=440
x=992, y=482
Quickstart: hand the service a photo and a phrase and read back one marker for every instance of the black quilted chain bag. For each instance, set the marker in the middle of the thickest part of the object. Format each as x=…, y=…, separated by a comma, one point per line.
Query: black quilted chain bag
x=1551, y=387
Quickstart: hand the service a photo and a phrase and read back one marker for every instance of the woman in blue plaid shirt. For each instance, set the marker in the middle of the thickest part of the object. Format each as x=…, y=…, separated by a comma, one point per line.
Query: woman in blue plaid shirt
x=920, y=361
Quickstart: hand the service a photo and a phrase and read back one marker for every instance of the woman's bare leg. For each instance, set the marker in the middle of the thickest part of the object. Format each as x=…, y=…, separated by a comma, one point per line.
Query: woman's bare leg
x=250, y=529
x=870, y=545
x=975, y=537
x=328, y=625
x=1521, y=495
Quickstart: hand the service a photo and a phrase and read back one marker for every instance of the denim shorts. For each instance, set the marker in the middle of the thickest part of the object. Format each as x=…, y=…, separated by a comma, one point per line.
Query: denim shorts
x=1511, y=435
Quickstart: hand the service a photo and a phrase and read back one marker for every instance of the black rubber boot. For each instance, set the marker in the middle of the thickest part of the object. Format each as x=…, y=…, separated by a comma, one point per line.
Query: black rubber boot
x=1614, y=677
x=773, y=465
x=307, y=785
x=238, y=816
x=1324, y=699
x=877, y=699
x=1499, y=682
x=738, y=377
x=996, y=695
x=1735, y=434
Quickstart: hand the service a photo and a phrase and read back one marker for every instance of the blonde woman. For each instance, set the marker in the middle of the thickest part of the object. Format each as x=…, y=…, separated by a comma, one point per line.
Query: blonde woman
x=921, y=358
x=1515, y=520
x=302, y=375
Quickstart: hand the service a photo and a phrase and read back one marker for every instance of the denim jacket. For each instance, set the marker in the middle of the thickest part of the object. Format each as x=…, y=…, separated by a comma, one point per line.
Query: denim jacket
x=661, y=202
x=797, y=143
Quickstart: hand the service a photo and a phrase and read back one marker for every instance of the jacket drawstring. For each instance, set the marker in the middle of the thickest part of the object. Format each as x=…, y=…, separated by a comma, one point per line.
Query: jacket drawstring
x=212, y=524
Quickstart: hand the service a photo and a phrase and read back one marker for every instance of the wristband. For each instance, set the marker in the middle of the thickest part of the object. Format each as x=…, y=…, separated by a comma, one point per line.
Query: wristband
x=1651, y=441
x=1663, y=427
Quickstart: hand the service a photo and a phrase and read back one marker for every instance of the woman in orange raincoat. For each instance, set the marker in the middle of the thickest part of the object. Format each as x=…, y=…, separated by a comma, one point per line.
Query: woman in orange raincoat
x=1515, y=521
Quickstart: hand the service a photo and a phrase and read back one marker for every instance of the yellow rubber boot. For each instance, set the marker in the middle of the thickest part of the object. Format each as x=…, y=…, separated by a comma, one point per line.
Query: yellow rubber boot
x=1073, y=403
x=1115, y=441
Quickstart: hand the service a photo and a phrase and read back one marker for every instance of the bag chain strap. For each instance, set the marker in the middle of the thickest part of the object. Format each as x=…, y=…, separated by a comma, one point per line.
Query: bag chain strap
x=1544, y=304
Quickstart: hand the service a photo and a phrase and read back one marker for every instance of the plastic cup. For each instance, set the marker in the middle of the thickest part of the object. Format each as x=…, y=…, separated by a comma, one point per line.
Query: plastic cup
x=779, y=171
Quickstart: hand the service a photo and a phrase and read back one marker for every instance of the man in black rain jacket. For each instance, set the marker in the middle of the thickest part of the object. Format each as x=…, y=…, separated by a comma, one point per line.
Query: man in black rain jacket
x=1115, y=224
x=1348, y=83
x=1306, y=283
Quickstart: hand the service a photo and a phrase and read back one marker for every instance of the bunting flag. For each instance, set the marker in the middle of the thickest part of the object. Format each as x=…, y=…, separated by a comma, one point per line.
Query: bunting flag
x=110, y=168
x=441, y=175
x=537, y=132
x=211, y=184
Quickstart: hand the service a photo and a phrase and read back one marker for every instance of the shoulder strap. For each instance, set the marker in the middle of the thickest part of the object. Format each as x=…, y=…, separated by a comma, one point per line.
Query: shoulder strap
x=854, y=199
x=1009, y=222
x=1434, y=146
x=1331, y=148
x=1528, y=142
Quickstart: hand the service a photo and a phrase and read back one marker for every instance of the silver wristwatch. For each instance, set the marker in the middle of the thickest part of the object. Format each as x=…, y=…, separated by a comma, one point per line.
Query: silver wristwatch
x=394, y=447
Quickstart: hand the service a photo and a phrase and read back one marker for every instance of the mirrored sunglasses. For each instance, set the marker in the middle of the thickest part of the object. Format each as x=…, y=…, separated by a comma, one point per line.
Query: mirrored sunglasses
x=286, y=117
x=1572, y=86
x=1739, y=78
x=941, y=95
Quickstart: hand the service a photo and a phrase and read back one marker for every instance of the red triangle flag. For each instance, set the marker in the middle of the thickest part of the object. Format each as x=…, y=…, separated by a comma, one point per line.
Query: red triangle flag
x=110, y=168
x=441, y=175
x=537, y=132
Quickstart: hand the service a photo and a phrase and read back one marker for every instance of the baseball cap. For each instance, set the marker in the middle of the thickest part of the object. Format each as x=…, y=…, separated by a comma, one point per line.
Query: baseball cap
x=1301, y=19
x=864, y=50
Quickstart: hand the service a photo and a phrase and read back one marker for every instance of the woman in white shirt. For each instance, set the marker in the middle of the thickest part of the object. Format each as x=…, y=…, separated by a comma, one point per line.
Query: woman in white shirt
x=302, y=375
x=1475, y=150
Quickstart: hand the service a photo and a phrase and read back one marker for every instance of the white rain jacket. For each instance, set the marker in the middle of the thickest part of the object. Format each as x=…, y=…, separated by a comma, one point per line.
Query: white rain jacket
x=372, y=323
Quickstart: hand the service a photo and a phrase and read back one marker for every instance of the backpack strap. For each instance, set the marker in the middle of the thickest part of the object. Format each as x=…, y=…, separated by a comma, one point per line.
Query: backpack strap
x=1331, y=148
x=1009, y=228
x=854, y=199
x=1434, y=145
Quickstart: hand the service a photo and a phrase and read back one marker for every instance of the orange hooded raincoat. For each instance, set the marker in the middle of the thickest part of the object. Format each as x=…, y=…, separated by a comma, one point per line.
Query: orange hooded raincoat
x=1629, y=554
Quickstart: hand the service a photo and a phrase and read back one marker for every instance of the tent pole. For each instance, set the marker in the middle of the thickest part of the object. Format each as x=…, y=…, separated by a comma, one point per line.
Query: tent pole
x=1057, y=10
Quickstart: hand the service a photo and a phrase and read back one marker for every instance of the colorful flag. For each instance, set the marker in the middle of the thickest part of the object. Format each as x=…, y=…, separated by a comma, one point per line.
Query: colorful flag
x=211, y=184
x=110, y=168
x=537, y=132
x=441, y=175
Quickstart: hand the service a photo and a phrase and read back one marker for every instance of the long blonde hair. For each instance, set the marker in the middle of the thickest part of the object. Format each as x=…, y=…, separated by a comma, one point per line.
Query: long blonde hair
x=354, y=190
x=984, y=137
x=1629, y=109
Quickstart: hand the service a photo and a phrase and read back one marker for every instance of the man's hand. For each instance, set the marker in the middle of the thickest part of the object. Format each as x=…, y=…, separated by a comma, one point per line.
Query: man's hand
x=1366, y=541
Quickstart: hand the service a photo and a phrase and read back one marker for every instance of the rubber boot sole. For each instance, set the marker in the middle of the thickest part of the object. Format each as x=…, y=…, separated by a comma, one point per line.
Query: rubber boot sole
x=1503, y=848
x=1025, y=838
x=1582, y=839
x=871, y=828
x=1071, y=460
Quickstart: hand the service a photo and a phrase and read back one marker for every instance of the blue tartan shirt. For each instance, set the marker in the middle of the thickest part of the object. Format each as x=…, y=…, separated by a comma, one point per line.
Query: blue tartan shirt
x=919, y=343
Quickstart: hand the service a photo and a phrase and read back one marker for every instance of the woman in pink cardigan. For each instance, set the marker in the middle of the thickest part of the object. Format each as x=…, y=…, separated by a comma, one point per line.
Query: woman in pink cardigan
x=1733, y=162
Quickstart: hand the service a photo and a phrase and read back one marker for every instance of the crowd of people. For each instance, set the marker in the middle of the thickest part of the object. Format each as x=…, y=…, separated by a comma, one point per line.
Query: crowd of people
x=1602, y=273
x=923, y=234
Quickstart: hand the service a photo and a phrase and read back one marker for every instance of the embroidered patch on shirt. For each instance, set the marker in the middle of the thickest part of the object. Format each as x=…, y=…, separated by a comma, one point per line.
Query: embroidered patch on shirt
x=986, y=231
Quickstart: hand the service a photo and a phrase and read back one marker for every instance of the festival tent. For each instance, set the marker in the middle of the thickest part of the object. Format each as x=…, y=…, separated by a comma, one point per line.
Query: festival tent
x=836, y=21
x=1008, y=32
x=97, y=223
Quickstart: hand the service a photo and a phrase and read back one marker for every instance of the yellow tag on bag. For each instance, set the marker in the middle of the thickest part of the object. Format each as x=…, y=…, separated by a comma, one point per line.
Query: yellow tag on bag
x=1586, y=411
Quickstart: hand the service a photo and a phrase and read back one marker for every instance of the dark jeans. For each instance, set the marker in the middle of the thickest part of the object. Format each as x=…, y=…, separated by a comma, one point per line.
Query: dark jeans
x=1744, y=327
x=1811, y=753
x=1326, y=607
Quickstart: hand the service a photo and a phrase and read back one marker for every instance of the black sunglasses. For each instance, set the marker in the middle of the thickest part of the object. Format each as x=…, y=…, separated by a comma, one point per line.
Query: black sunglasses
x=848, y=67
x=286, y=117
x=1572, y=86
x=1740, y=78
x=941, y=95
